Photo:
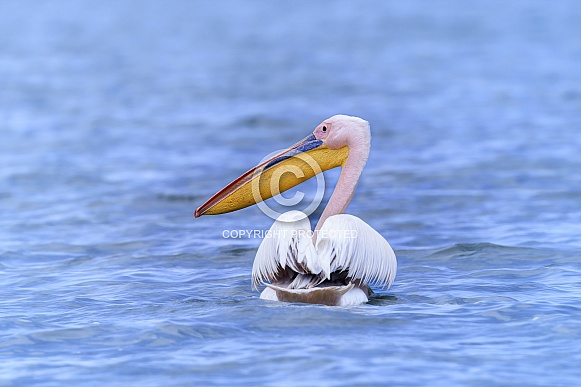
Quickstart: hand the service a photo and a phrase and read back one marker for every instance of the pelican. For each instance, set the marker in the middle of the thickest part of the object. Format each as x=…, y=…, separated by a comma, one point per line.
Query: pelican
x=338, y=262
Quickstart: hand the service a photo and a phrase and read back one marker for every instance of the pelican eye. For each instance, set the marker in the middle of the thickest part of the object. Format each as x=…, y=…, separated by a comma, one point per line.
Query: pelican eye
x=324, y=128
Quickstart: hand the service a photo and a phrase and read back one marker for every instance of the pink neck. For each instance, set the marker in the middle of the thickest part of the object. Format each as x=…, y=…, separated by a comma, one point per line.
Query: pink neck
x=345, y=189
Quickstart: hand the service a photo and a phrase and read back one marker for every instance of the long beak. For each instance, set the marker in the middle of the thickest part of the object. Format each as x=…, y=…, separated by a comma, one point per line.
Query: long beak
x=279, y=173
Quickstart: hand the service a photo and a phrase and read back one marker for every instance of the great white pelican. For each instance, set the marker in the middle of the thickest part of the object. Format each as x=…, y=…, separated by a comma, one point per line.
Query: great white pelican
x=335, y=264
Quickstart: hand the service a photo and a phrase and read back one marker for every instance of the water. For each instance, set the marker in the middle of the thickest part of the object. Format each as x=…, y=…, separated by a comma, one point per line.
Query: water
x=118, y=119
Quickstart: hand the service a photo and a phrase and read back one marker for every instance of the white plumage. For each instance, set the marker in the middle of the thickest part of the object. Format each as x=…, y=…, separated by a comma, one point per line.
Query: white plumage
x=348, y=254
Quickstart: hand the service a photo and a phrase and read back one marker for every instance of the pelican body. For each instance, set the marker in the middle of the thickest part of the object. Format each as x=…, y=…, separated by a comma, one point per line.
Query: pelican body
x=337, y=262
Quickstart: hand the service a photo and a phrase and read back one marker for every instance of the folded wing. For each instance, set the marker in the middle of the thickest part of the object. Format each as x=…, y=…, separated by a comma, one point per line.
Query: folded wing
x=287, y=253
x=346, y=246
x=351, y=245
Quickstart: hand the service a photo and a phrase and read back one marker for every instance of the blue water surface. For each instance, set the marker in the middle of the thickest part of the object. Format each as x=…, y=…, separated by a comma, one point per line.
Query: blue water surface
x=118, y=119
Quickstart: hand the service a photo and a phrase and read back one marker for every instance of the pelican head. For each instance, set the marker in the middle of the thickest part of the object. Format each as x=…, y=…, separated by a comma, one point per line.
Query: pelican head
x=341, y=130
x=328, y=146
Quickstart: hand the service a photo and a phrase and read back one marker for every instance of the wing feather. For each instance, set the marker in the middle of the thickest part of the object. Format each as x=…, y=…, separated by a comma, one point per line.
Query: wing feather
x=288, y=244
x=350, y=244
